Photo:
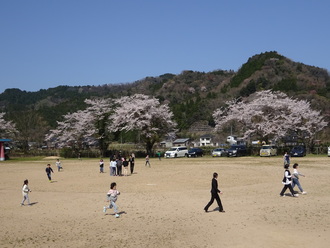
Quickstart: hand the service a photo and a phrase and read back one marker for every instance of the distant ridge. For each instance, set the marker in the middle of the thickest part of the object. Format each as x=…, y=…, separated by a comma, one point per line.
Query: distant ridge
x=191, y=95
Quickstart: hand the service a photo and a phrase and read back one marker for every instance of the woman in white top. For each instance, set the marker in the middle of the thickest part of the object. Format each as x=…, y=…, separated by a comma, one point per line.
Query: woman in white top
x=113, y=167
x=295, y=178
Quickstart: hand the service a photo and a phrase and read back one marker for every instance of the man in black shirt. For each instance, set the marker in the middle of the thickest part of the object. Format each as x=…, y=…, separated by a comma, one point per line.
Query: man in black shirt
x=214, y=194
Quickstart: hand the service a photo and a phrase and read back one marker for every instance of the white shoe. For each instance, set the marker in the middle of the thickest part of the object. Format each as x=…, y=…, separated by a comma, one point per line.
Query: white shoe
x=117, y=215
x=295, y=195
x=104, y=209
x=304, y=193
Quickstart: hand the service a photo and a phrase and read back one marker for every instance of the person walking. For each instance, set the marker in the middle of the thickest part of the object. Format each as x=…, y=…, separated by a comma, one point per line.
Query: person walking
x=147, y=160
x=295, y=178
x=287, y=181
x=25, y=191
x=215, y=194
x=49, y=172
x=112, y=198
x=131, y=162
x=286, y=158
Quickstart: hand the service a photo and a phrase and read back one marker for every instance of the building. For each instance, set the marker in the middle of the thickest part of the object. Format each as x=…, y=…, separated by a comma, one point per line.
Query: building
x=205, y=140
x=3, y=148
x=181, y=142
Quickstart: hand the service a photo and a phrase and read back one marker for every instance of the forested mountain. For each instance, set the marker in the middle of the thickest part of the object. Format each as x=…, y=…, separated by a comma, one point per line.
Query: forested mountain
x=191, y=95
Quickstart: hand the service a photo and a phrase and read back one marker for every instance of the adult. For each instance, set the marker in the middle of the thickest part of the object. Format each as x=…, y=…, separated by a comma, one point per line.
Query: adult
x=215, y=194
x=287, y=181
x=125, y=164
x=113, y=167
x=131, y=162
x=119, y=166
x=295, y=178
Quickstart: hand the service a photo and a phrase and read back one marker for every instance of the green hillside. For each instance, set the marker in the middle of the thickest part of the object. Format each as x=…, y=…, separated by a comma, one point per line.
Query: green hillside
x=191, y=95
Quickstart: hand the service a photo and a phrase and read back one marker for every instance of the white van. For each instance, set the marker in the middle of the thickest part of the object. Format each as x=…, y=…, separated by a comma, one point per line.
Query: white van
x=177, y=151
x=268, y=150
x=232, y=140
x=329, y=151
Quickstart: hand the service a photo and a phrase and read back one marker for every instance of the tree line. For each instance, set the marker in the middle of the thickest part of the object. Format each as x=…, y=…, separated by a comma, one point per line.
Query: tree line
x=265, y=115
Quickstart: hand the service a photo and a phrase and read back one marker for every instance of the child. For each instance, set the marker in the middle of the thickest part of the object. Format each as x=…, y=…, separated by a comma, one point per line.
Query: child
x=112, y=198
x=58, y=164
x=287, y=181
x=49, y=172
x=295, y=178
x=25, y=192
x=147, y=160
x=286, y=158
x=101, y=166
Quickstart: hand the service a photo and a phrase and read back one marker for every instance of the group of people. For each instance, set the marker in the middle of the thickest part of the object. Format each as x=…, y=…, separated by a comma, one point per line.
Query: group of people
x=116, y=164
x=119, y=165
x=291, y=180
x=26, y=190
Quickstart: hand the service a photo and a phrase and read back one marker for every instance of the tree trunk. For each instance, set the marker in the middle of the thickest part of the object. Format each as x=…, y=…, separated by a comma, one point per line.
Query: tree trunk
x=149, y=146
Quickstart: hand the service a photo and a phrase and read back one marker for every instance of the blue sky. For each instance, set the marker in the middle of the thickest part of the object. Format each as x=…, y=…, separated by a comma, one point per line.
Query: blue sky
x=47, y=43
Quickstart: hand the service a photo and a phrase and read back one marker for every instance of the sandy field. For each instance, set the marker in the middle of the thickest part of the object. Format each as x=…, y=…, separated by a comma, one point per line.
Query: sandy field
x=162, y=206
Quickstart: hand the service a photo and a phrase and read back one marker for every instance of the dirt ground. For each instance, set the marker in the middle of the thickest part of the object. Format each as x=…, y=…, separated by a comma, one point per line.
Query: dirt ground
x=162, y=206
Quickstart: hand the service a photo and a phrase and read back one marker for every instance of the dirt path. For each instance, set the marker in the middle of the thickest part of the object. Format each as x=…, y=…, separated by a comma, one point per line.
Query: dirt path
x=162, y=206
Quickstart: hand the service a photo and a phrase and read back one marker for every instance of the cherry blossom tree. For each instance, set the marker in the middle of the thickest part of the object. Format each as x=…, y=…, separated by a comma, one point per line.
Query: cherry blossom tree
x=7, y=128
x=143, y=114
x=271, y=115
x=84, y=126
x=103, y=117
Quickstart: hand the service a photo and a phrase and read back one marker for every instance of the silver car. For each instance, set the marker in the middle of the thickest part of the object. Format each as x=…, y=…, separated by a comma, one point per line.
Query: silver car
x=219, y=152
x=268, y=151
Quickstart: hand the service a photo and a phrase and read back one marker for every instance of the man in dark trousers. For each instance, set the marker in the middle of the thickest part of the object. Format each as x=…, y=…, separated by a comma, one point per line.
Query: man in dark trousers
x=214, y=194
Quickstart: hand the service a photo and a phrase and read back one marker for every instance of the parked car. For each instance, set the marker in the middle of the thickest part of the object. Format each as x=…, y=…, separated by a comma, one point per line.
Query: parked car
x=329, y=151
x=177, y=151
x=298, y=151
x=195, y=152
x=268, y=150
x=237, y=150
x=219, y=152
